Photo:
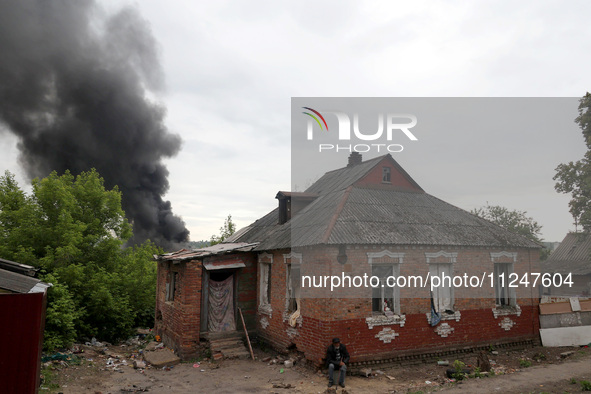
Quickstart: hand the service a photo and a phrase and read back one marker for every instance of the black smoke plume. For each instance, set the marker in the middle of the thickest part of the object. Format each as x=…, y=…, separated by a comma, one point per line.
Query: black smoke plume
x=75, y=88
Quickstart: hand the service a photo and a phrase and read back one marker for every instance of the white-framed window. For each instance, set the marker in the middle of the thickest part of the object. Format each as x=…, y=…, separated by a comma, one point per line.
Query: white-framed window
x=265, y=261
x=443, y=297
x=504, y=295
x=293, y=262
x=385, y=300
x=441, y=265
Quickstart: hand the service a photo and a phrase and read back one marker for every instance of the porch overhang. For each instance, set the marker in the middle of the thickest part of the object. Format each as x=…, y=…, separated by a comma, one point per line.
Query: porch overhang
x=223, y=265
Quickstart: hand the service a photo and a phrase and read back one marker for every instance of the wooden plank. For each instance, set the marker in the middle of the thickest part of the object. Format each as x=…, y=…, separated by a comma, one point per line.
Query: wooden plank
x=246, y=332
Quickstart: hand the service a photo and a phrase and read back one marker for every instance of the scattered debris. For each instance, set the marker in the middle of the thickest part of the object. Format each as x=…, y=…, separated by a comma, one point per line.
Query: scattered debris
x=282, y=386
x=482, y=362
x=161, y=358
x=150, y=347
x=288, y=363
x=566, y=354
x=365, y=372
x=134, y=389
x=138, y=364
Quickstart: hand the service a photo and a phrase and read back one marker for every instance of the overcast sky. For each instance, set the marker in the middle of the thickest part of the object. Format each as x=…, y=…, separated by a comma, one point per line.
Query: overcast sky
x=231, y=69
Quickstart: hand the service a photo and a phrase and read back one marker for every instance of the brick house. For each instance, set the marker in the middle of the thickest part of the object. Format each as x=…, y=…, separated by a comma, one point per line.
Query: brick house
x=366, y=218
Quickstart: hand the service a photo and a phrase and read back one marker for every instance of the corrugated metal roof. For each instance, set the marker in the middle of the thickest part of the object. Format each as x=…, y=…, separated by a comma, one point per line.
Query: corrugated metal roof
x=18, y=267
x=17, y=283
x=348, y=214
x=572, y=255
x=342, y=178
x=220, y=248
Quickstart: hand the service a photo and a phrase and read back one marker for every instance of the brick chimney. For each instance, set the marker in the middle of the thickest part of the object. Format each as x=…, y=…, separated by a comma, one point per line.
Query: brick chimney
x=354, y=159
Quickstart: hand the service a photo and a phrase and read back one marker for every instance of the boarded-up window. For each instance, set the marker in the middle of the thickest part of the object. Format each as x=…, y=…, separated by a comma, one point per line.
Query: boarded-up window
x=171, y=285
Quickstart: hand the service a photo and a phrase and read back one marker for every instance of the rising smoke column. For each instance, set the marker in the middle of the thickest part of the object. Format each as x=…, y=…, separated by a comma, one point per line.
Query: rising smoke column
x=74, y=88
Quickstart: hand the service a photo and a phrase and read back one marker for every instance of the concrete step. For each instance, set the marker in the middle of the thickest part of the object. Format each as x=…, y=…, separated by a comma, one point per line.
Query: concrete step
x=219, y=347
x=228, y=344
x=242, y=354
x=213, y=336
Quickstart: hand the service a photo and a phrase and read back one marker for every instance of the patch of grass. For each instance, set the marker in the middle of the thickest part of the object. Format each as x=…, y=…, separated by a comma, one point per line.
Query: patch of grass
x=524, y=363
x=585, y=385
x=539, y=356
x=573, y=381
x=478, y=373
x=48, y=378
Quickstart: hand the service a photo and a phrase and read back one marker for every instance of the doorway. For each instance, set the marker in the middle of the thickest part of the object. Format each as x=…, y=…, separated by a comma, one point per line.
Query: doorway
x=221, y=299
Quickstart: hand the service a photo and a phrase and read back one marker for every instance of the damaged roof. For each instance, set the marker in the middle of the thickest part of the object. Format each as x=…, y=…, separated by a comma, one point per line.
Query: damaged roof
x=19, y=278
x=572, y=255
x=185, y=254
x=351, y=211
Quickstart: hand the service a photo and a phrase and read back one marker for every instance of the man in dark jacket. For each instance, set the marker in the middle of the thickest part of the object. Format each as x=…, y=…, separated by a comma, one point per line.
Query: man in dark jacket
x=337, y=357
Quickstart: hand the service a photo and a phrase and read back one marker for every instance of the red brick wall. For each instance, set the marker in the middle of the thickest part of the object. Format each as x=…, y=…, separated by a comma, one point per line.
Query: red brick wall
x=177, y=322
x=324, y=318
x=397, y=179
x=476, y=327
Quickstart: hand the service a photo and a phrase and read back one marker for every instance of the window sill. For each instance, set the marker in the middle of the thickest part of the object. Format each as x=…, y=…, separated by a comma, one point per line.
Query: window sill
x=505, y=310
x=445, y=316
x=383, y=320
x=265, y=309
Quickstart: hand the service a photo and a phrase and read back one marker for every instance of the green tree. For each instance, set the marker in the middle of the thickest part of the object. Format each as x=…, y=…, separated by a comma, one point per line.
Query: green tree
x=226, y=230
x=513, y=220
x=75, y=230
x=575, y=177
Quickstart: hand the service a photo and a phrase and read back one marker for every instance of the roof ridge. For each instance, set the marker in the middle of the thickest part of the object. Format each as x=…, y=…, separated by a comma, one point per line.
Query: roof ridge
x=362, y=163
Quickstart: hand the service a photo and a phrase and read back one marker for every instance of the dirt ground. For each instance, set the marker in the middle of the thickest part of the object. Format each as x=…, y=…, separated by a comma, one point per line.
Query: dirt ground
x=532, y=370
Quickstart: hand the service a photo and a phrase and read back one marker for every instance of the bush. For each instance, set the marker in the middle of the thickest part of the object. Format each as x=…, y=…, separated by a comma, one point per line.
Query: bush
x=459, y=370
x=61, y=316
x=524, y=363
